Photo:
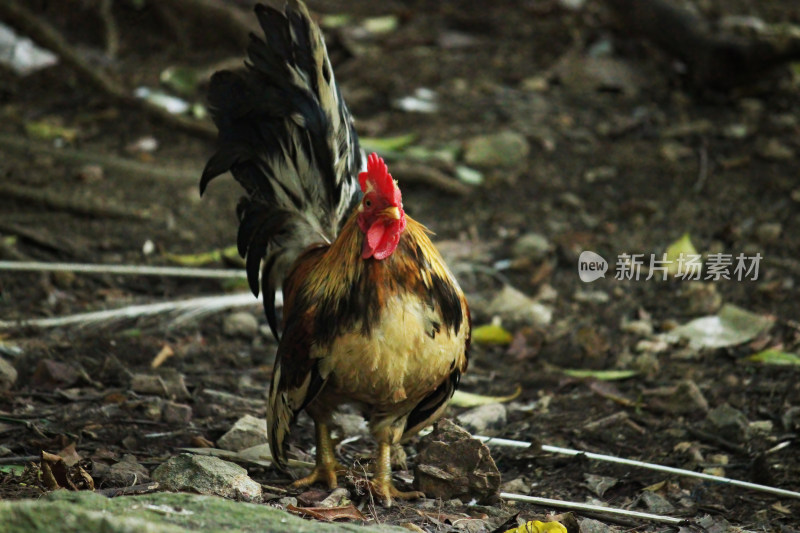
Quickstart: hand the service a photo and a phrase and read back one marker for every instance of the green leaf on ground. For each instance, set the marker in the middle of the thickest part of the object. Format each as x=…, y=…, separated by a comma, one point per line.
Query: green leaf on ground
x=681, y=246
x=602, y=375
x=12, y=469
x=386, y=144
x=775, y=357
x=730, y=327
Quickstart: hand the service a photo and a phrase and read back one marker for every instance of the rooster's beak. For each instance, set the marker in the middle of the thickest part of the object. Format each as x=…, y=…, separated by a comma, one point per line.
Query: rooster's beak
x=392, y=213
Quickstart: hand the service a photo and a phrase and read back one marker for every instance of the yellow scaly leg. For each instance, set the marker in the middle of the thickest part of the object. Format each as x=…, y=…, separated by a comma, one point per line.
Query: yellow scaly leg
x=381, y=484
x=328, y=468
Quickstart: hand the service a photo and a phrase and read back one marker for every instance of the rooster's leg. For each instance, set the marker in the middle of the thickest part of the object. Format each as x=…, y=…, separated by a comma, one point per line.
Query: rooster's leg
x=328, y=468
x=381, y=484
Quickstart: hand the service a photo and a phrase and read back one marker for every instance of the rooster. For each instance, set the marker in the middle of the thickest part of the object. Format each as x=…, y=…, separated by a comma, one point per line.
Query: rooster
x=372, y=316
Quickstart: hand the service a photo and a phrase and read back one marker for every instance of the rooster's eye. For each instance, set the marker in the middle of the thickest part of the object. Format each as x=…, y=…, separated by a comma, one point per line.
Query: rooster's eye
x=367, y=203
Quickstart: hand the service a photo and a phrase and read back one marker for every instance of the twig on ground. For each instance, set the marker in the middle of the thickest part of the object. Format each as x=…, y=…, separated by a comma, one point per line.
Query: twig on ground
x=143, y=488
x=717, y=440
x=237, y=23
x=11, y=143
x=48, y=37
x=128, y=270
x=56, y=202
x=174, y=24
x=18, y=459
x=417, y=173
x=559, y=504
x=715, y=60
x=40, y=238
x=263, y=459
x=641, y=464
x=110, y=27
x=186, y=310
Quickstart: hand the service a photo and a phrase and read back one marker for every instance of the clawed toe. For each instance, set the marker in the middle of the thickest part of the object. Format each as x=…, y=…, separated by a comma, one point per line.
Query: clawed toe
x=327, y=473
x=386, y=492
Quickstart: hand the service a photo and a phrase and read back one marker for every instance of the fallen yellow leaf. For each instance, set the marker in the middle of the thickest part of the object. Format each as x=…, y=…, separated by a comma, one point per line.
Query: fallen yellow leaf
x=491, y=334
x=535, y=526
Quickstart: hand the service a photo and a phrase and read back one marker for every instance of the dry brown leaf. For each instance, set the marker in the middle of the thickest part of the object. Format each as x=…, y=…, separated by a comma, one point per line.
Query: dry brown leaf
x=53, y=471
x=329, y=514
x=165, y=353
x=413, y=527
x=57, y=475
x=70, y=455
x=442, y=518
x=200, y=441
x=610, y=391
x=87, y=479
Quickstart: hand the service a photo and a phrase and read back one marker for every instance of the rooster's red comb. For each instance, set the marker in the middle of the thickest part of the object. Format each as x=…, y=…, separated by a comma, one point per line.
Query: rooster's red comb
x=378, y=177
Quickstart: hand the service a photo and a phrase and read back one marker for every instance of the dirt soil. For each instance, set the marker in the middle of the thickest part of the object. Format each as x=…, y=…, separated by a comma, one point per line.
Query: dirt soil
x=624, y=157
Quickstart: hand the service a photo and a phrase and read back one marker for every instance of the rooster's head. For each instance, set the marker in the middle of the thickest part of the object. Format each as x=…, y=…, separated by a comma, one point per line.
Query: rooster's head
x=381, y=216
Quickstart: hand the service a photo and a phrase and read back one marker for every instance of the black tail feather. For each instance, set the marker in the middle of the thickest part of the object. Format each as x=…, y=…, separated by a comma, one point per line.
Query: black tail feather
x=287, y=137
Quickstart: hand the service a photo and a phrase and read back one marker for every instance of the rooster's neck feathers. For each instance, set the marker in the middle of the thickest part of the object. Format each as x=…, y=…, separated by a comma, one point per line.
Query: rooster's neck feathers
x=342, y=291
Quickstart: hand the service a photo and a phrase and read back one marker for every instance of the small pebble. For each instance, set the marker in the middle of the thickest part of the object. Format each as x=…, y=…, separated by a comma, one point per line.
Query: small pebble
x=240, y=324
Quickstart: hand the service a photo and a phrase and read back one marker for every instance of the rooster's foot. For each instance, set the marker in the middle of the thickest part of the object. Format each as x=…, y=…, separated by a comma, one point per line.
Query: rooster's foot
x=327, y=473
x=386, y=492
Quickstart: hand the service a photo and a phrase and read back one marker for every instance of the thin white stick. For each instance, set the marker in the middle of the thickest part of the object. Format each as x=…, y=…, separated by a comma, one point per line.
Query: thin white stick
x=128, y=270
x=594, y=508
x=187, y=309
x=642, y=464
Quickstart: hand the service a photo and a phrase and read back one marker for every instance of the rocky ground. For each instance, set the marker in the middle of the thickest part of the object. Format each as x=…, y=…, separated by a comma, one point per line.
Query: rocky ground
x=522, y=135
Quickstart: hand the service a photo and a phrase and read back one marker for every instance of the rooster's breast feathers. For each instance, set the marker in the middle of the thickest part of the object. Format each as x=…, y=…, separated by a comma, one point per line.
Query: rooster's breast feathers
x=390, y=334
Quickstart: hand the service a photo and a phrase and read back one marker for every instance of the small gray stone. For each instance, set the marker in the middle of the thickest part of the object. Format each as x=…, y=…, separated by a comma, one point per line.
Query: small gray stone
x=759, y=429
x=604, y=173
x=592, y=297
x=534, y=246
x=769, y=232
x=248, y=431
x=240, y=324
x=648, y=364
x=506, y=149
x=589, y=525
x=791, y=418
x=729, y=421
x=687, y=399
x=479, y=419
x=701, y=298
x=773, y=149
x=127, y=472
x=167, y=383
x=513, y=306
x=340, y=496
x=176, y=413
x=8, y=375
x=91, y=173
x=207, y=475
x=451, y=464
x=674, y=151
x=516, y=486
x=599, y=484
x=642, y=328
x=571, y=200
x=286, y=501
x=656, y=503
x=736, y=131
